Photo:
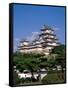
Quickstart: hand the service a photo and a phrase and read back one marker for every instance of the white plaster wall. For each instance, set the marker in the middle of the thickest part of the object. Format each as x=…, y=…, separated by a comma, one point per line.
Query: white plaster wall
x=21, y=51
x=46, y=53
x=47, y=48
x=49, y=39
x=43, y=75
x=25, y=43
x=38, y=45
x=24, y=51
x=54, y=44
x=28, y=75
x=46, y=36
x=23, y=75
x=51, y=36
x=39, y=49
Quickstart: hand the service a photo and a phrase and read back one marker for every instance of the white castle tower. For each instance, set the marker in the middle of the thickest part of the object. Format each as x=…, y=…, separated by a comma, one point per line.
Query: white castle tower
x=49, y=39
x=24, y=46
x=44, y=44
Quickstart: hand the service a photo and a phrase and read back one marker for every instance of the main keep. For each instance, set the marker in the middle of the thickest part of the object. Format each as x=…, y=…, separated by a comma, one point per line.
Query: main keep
x=45, y=42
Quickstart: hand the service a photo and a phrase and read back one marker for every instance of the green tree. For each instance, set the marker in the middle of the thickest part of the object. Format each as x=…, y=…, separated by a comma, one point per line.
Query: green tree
x=16, y=79
x=27, y=61
x=60, y=58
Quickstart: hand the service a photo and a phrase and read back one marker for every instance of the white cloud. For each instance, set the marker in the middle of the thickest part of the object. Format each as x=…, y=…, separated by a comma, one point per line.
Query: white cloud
x=33, y=36
x=16, y=44
x=56, y=28
x=17, y=39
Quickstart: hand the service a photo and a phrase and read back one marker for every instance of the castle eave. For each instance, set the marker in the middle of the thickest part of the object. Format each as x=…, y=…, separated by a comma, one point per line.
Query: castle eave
x=46, y=34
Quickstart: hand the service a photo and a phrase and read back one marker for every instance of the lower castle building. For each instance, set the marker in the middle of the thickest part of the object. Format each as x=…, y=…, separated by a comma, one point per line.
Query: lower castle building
x=45, y=42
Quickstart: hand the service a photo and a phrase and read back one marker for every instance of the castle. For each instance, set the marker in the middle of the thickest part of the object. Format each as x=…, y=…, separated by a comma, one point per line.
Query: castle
x=45, y=42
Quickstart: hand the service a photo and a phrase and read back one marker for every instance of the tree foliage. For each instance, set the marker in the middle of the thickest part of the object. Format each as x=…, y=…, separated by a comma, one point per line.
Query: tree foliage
x=60, y=50
x=61, y=57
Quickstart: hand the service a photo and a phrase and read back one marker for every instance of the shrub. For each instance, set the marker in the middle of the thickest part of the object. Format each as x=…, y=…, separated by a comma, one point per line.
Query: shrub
x=16, y=79
x=22, y=80
x=27, y=80
x=52, y=71
x=51, y=79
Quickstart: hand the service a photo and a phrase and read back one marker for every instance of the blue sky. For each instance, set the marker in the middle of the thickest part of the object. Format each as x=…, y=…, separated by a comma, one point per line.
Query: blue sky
x=28, y=19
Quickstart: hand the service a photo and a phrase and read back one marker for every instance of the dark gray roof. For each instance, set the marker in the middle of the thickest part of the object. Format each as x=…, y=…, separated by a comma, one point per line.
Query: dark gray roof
x=46, y=27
